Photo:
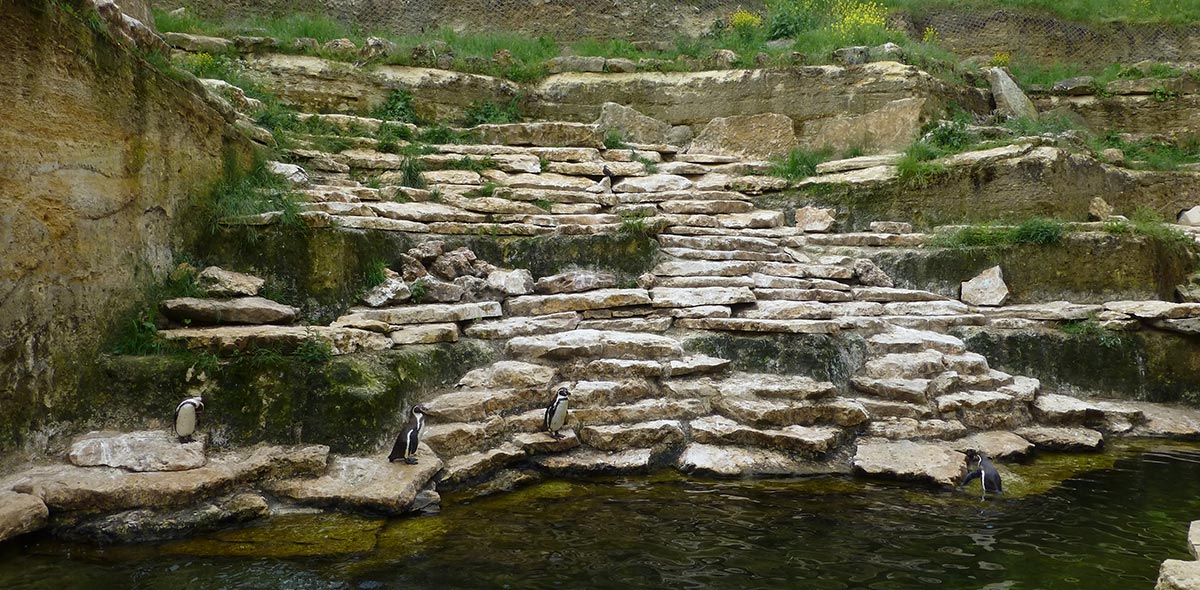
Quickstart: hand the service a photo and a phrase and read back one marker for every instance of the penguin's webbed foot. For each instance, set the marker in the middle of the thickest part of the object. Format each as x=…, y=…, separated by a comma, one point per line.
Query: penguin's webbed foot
x=411, y=461
x=556, y=436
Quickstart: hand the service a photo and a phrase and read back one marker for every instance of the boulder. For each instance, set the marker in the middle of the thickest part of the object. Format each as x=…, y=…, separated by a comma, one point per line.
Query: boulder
x=243, y=310
x=424, y=334
x=150, y=450
x=869, y=274
x=20, y=514
x=1077, y=86
x=997, y=444
x=1175, y=574
x=1191, y=217
x=376, y=47
x=891, y=127
x=987, y=288
x=508, y=374
x=929, y=462
x=511, y=282
x=363, y=483
x=393, y=289
x=851, y=56
x=632, y=125
x=218, y=282
x=290, y=172
x=1010, y=100
x=1099, y=209
x=453, y=264
x=752, y=136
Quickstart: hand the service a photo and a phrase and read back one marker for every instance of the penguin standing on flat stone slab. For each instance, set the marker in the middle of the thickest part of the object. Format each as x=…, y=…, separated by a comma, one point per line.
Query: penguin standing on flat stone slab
x=985, y=471
x=556, y=413
x=187, y=416
x=409, y=438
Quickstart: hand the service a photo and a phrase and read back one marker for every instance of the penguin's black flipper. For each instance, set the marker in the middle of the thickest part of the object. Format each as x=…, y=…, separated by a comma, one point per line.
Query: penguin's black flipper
x=397, y=448
x=976, y=474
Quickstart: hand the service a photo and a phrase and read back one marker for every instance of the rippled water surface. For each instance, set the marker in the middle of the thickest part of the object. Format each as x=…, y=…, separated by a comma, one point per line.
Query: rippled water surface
x=1104, y=529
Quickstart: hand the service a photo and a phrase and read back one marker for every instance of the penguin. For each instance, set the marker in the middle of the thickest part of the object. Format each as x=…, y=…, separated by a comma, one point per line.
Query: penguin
x=187, y=415
x=986, y=472
x=556, y=413
x=408, y=439
x=607, y=171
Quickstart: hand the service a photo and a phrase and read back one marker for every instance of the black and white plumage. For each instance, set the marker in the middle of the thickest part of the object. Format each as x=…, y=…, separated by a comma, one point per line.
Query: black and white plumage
x=556, y=413
x=408, y=439
x=187, y=416
x=985, y=472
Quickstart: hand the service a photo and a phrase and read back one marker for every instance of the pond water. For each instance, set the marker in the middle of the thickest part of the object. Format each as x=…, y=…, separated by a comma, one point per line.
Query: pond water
x=1108, y=526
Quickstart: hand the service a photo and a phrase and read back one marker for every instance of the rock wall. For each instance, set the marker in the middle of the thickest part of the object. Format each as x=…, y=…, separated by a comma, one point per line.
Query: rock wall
x=103, y=156
x=1047, y=39
x=646, y=20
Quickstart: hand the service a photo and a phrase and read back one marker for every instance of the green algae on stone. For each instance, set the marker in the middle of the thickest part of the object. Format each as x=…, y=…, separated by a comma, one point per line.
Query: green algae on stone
x=625, y=255
x=287, y=536
x=820, y=356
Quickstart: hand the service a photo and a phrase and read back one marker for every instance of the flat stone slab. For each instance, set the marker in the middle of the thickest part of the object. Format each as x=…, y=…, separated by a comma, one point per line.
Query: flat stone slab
x=768, y=413
x=594, y=462
x=1052, y=311
x=363, y=483
x=523, y=326
x=912, y=428
x=907, y=460
x=905, y=340
x=997, y=444
x=467, y=467
x=506, y=374
x=914, y=365
x=1167, y=420
x=429, y=313
x=729, y=461
x=233, y=339
x=595, y=343
x=458, y=438
x=575, y=282
x=218, y=282
x=149, y=450
x=893, y=294
x=696, y=363
x=788, y=310
x=243, y=310
x=774, y=386
x=695, y=297
x=20, y=514
x=1062, y=439
x=69, y=488
x=535, y=443
x=616, y=437
x=767, y=326
x=478, y=404
x=641, y=411
x=1154, y=310
x=424, y=334
x=534, y=305
x=893, y=388
x=681, y=268
x=811, y=440
x=148, y=525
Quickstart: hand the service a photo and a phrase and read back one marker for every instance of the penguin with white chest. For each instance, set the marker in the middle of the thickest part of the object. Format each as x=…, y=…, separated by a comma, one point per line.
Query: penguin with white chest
x=988, y=476
x=409, y=438
x=187, y=416
x=556, y=413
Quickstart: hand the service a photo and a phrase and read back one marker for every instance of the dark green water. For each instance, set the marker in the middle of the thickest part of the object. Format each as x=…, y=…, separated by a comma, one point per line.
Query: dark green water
x=1101, y=529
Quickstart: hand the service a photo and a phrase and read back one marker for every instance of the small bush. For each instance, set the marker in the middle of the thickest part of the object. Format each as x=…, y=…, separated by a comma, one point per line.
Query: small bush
x=798, y=164
x=1039, y=231
x=951, y=136
x=399, y=107
x=374, y=275
x=410, y=171
x=314, y=351
x=488, y=112
x=416, y=291
x=615, y=140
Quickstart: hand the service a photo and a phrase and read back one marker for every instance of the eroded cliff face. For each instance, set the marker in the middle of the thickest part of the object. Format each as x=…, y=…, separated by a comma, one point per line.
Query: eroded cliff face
x=104, y=158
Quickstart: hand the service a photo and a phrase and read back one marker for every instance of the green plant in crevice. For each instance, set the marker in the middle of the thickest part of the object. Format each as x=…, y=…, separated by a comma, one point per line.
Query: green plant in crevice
x=614, y=140
x=488, y=112
x=1036, y=231
x=798, y=164
x=390, y=137
x=398, y=108
x=1162, y=94
x=634, y=224
x=650, y=165
x=374, y=275
x=416, y=290
x=915, y=168
x=1147, y=222
x=1039, y=231
x=1091, y=329
x=139, y=335
x=410, y=173
x=441, y=134
x=950, y=136
x=314, y=351
x=543, y=204
x=248, y=192
x=487, y=190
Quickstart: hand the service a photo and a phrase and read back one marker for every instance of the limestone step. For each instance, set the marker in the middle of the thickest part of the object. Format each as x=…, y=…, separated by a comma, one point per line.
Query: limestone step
x=914, y=429
x=508, y=374
x=910, y=365
x=1061, y=438
x=585, y=461
x=738, y=462
x=966, y=363
x=523, y=326
x=984, y=409
x=997, y=444
x=553, y=154
x=533, y=305
x=710, y=243
x=792, y=387
x=774, y=232
x=952, y=381
x=459, y=438
x=1062, y=410
x=892, y=294
x=1051, y=311
x=594, y=394
x=704, y=268
x=905, y=340
x=613, y=368
x=427, y=313
x=798, y=270
x=536, y=443
x=640, y=411
x=240, y=310
x=226, y=340
x=907, y=460
x=869, y=239
x=595, y=343
x=690, y=254
x=463, y=468
x=697, y=296
x=809, y=440
x=879, y=409
x=824, y=295
x=788, y=310
x=763, y=281
x=926, y=308
x=764, y=326
x=648, y=324
x=935, y=323
x=777, y=413
x=474, y=405
x=702, y=281
x=617, y=437
x=893, y=388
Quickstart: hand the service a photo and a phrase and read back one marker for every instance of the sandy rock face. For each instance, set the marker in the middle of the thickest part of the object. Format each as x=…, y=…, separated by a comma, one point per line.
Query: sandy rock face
x=754, y=136
x=20, y=514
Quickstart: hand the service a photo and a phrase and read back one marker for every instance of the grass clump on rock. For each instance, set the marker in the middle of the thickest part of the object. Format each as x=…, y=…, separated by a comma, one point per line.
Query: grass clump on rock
x=798, y=164
x=1037, y=231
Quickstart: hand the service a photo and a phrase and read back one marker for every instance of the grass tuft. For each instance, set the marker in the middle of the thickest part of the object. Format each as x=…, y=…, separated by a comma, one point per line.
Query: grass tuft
x=798, y=164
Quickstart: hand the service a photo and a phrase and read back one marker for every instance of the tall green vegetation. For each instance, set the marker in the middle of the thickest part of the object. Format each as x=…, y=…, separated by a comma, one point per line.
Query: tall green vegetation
x=798, y=164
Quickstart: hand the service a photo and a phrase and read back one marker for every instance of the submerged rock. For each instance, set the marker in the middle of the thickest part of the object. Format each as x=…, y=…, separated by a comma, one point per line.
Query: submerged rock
x=157, y=525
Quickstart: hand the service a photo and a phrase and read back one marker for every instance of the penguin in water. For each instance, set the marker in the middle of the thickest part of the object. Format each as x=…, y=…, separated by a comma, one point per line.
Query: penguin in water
x=187, y=415
x=409, y=438
x=556, y=413
x=986, y=472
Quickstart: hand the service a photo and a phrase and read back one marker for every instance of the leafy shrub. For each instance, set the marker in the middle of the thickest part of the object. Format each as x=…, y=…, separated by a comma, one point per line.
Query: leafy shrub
x=399, y=107
x=488, y=112
x=798, y=164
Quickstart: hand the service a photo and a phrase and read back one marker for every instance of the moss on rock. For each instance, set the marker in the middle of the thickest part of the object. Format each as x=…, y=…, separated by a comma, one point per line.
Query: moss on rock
x=825, y=357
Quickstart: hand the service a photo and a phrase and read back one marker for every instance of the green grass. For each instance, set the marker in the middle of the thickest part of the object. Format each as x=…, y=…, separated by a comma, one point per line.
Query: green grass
x=416, y=291
x=1153, y=154
x=410, y=171
x=614, y=139
x=1029, y=73
x=248, y=192
x=1085, y=11
x=1091, y=329
x=1146, y=222
x=1037, y=231
x=798, y=164
x=488, y=112
x=374, y=275
x=473, y=164
x=398, y=108
x=138, y=335
x=915, y=169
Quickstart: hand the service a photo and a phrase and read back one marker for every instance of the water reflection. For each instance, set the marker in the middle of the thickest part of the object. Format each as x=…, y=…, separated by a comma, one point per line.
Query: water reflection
x=1103, y=529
